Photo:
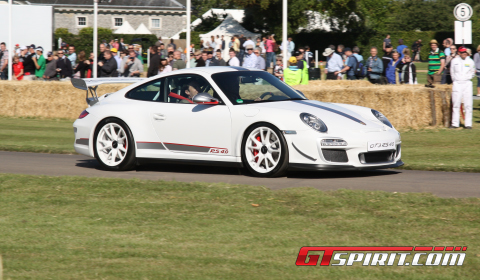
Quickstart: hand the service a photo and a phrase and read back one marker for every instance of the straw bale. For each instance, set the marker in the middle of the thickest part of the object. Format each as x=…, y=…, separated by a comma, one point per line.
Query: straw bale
x=45, y=99
x=407, y=106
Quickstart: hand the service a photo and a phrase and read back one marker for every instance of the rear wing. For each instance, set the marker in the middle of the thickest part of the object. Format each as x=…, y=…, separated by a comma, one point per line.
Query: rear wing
x=91, y=85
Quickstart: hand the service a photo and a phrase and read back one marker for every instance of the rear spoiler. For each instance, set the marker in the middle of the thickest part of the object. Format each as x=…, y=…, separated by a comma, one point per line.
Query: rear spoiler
x=91, y=85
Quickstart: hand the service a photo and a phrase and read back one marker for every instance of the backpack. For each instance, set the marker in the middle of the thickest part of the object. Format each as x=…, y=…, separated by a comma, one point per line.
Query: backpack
x=359, y=69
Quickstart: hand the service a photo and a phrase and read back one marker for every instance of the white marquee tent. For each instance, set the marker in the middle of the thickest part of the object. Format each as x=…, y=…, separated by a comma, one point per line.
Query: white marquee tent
x=228, y=28
x=142, y=29
x=126, y=28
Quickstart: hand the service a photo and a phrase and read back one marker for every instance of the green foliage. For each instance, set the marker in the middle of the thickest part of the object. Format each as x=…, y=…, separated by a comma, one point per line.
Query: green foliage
x=265, y=16
x=84, y=40
x=195, y=38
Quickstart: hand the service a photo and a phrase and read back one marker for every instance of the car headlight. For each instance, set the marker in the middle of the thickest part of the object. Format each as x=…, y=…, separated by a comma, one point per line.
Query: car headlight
x=313, y=122
x=382, y=118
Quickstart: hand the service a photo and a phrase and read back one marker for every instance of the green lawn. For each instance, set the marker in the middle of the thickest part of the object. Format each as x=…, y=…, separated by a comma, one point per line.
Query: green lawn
x=91, y=228
x=427, y=149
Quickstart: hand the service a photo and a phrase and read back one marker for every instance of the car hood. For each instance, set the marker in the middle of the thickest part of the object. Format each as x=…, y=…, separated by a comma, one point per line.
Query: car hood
x=330, y=113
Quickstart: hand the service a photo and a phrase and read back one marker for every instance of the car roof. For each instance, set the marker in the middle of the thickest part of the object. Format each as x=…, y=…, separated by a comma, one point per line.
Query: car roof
x=214, y=69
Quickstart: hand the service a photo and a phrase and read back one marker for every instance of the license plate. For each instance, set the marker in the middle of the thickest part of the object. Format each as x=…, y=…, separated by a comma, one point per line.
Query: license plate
x=381, y=145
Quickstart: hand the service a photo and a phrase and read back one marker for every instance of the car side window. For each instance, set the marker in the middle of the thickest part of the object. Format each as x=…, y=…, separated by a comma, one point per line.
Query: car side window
x=182, y=88
x=151, y=91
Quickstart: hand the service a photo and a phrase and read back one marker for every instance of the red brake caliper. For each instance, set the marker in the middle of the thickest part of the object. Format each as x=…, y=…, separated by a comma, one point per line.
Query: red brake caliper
x=255, y=152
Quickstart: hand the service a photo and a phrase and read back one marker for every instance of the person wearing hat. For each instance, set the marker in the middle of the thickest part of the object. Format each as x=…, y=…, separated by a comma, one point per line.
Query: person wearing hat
x=351, y=63
x=334, y=64
x=28, y=64
x=292, y=75
x=40, y=63
x=436, y=63
x=302, y=65
x=462, y=70
x=117, y=57
x=250, y=59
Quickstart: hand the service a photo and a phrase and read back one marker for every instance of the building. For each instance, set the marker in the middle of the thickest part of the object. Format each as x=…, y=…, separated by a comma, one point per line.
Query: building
x=163, y=18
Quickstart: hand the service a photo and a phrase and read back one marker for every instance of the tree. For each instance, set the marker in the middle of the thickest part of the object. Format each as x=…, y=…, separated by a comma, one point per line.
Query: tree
x=265, y=16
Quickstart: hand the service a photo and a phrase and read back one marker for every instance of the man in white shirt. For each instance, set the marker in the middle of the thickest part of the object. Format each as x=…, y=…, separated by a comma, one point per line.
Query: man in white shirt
x=250, y=60
x=334, y=64
x=462, y=70
x=233, y=61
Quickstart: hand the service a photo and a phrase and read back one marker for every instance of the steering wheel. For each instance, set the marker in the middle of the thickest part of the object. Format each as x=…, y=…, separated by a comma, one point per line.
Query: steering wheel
x=265, y=94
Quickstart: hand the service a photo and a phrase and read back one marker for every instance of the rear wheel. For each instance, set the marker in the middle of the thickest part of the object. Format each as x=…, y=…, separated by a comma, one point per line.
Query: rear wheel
x=264, y=151
x=113, y=145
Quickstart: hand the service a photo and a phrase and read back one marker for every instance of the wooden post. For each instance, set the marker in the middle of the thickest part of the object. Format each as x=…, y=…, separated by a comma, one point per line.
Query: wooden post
x=432, y=105
x=445, y=110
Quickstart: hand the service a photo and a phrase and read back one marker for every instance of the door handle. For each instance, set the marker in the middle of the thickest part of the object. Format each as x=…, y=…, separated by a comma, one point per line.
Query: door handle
x=159, y=117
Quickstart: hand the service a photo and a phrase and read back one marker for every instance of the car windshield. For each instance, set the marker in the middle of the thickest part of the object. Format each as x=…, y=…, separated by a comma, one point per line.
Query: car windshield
x=244, y=87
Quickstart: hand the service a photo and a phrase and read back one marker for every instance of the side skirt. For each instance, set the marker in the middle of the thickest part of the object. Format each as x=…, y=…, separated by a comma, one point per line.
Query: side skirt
x=142, y=161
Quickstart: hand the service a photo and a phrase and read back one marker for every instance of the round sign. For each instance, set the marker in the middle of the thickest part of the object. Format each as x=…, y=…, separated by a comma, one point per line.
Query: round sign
x=463, y=12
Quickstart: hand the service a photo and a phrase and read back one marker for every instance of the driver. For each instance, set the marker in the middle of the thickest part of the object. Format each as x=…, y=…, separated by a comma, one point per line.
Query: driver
x=192, y=89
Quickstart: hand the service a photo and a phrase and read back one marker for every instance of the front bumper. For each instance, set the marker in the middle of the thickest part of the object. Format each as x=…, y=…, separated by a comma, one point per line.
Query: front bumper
x=324, y=167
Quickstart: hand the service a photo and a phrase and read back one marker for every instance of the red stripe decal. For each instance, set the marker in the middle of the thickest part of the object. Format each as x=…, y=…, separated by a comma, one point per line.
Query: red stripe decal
x=464, y=249
x=423, y=248
x=439, y=248
x=458, y=248
x=449, y=249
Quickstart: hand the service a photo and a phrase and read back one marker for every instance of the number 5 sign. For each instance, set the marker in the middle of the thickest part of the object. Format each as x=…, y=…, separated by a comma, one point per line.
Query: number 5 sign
x=463, y=12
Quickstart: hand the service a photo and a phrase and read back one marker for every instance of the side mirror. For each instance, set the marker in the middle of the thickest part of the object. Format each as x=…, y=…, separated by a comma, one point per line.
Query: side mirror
x=204, y=98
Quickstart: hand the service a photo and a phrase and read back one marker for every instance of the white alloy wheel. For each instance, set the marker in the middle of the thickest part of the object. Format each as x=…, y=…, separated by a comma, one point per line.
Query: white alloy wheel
x=112, y=144
x=263, y=150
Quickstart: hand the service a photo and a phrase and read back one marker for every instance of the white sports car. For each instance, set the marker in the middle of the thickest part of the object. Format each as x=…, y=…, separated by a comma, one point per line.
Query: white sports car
x=229, y=116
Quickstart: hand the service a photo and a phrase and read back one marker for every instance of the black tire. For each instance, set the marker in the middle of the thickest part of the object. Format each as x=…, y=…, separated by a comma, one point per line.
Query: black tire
x=282, y=165
x=129, y=161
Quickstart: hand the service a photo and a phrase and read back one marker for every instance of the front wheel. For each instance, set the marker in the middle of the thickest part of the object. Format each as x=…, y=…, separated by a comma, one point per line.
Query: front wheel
x=113, y=145
x=264, y=151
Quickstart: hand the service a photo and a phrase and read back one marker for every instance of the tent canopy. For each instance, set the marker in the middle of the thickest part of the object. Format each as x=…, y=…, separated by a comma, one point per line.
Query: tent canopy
x=142, y=29
x=229, y=27
x=126, y=28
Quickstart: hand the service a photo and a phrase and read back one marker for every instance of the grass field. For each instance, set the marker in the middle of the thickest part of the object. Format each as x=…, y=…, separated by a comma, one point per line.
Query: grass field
x=90, y=228
x=427, y=149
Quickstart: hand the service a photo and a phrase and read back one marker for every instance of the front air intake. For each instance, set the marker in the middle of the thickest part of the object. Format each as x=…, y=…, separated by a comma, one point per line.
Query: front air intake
x=335, y=155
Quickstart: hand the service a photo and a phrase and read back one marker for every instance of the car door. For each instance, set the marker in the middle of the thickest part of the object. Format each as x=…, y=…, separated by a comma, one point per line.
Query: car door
x=187, y=128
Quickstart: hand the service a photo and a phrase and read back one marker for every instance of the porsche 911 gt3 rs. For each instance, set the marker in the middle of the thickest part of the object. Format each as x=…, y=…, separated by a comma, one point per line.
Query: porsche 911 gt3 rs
x=229, y=116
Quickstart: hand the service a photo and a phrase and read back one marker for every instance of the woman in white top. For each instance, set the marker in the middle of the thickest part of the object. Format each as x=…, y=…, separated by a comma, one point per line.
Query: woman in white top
x=164, y=66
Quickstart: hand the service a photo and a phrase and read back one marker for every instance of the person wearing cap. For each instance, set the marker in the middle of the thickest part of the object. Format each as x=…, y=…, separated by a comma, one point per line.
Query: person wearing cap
x=250, y=59
x=436, y=63
x=117, y=58
x=292, y=75
x=28, y=64
x=40, y=63
x=334, y=64
x=302, y=64
x=349, y=68
x=462, y=70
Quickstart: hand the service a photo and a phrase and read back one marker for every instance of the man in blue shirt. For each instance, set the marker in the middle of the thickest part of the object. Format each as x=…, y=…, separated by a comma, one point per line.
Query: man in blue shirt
x=250, y=60
x=356, y=53
x=400, y=48
x=351, y=63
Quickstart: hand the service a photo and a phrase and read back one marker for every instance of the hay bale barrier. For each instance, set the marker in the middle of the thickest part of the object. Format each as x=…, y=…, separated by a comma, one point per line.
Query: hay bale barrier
x=407, y=106
x=45, y=99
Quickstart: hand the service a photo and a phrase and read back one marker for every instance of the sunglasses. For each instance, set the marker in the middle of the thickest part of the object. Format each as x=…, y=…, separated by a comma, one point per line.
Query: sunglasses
x=256, y=52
